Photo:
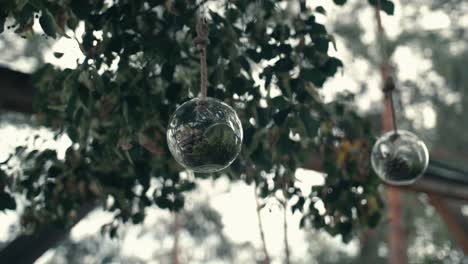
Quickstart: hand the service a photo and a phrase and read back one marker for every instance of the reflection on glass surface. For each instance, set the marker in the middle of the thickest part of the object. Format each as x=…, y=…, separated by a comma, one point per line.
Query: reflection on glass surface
x=204, y=135
x=399, y=158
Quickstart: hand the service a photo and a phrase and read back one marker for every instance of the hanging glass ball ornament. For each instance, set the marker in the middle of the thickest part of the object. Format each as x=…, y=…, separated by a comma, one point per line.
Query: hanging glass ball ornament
x=399, y=158
x=204, y=135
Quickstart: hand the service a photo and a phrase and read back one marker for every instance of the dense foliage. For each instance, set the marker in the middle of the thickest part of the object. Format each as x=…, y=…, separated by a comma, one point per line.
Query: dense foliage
x=140, y=64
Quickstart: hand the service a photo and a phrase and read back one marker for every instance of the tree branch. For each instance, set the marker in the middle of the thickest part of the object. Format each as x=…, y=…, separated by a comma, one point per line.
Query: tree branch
x=266, y=259
x=442, y=181
x=456, y=222
x=175, y=247
x=26, y=249
x=16, y=91
x=287, y=251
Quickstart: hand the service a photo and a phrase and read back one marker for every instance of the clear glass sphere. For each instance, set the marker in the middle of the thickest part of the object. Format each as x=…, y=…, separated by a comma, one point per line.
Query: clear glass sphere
x=204, y=135
x=399, y=158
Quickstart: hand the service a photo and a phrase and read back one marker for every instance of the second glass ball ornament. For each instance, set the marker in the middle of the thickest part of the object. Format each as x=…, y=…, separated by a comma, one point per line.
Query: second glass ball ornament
x=399, y=158
x=204, y=135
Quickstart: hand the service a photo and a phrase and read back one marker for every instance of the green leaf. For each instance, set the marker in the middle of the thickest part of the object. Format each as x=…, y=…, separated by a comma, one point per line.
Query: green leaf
x=388, y=7
x=178, y=203
x=217, y=19
x=72, y=21
x=244, y=63
x=281, y=32
x=38, y=4
x=321, y=44
x=60, y=108
x=385, y=5
x=287, y=146
x=85, y=79
x=2, y=23
x=20, y=4
x=46, y=155
x=129, y=158
x=318, y=222
x=174, y=91
x=284, y=65
x=317, y=29
x=313, y=75
x=162, y=202
x=279, y=102
x=3, y=178
x=185, y=186
x=48, y=24
x=280, y=116
x=254, y=55
x=138, y=218
x=7, y=201
x=340, y=2
x=310, y=124
x=143, y=174
x=263, y=116
x=332, y=65
x=321, y=10
x=299, y=205
x=167, y=72
x=113, y=232
x=268, y=52
x=374, y=219
x=345, y=229
x=302, y=222
x=58, y=55
x=303, y=5
x=285, y=49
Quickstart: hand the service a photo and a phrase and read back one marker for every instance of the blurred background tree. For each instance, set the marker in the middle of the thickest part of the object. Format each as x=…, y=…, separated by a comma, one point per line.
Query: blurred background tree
x=138, y=64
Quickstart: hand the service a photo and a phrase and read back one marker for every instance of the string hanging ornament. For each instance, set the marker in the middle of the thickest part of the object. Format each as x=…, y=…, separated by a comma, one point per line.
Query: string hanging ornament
x=398, y=157
x=204, y=134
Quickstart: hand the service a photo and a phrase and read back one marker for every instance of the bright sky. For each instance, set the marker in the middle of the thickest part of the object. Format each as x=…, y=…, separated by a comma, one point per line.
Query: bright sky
x=237, y=205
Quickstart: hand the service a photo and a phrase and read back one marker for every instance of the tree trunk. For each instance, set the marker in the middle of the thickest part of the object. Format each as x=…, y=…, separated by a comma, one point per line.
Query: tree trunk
x=175, y=248
x=26, y=249
x=266, y=259
x=368, y=246
x=287, y=252
x=396, y=232
x=456, y=222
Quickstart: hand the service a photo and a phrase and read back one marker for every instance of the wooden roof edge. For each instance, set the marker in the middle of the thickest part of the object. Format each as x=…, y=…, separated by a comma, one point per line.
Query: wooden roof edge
x=447, y=172
x=442, y=180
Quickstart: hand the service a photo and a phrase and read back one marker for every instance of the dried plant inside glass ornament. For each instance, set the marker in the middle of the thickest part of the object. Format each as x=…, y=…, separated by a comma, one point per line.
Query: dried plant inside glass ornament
x=399, y=158
x=204, y=135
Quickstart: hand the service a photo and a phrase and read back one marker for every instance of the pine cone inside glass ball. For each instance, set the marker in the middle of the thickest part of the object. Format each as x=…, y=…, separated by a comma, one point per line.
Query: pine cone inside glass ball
x=204, y=135
x=399, y=158
x=397, y=169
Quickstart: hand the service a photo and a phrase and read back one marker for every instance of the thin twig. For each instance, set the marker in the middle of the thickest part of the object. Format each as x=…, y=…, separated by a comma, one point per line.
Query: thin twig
x=287, y=252
x=201, y=42
x=389, y=83
x=175, y=249
x=260, y=227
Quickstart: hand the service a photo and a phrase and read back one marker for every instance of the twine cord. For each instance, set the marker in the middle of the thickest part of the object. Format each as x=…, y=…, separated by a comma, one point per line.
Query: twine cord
x=389, y=82
x=201, y=41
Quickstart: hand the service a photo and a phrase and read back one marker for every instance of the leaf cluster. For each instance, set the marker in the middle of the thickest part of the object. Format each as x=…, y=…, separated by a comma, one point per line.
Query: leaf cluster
x=140, y=63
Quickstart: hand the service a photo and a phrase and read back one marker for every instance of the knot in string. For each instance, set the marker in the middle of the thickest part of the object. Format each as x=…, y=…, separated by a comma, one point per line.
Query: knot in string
x=201, y=41
x=388, y=88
